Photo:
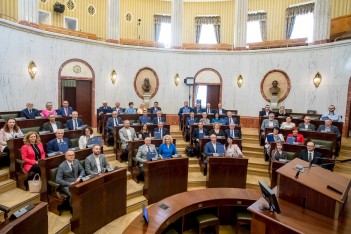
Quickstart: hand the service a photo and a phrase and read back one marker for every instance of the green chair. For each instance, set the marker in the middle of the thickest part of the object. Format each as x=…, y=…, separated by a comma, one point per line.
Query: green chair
x=55, y=193
x=323, y=143
x=242, y=217
x=207, y=220
x=26, y=130
x=291, y=155
x=296, y=116
x=75, y=142
x=315, y=117
x=8, y=116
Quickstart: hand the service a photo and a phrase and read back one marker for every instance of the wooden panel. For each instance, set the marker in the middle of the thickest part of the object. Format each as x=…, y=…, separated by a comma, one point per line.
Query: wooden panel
x=84, y=102
x=70, y=96
x=214, y=94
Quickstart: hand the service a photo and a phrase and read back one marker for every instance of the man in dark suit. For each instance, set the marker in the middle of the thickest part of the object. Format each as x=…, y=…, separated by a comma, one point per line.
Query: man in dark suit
x=189, y=121
x=306, y=125
x=111, y=123
x=29, y=112
x=65, y=110
x=52, y=125
x=158, y=118
x=74, y=123
x=53, y=145
x=69, y=173
x=211, y=148
x=96, y=162
x=199, y=133
x=104, y=109
x=208, y=109
x=163, y=131
x=198, y=109
x=230, y=119
x=118, y=108
x=155, y=108
x=310, y=155
x=266, y=111
x=144, y=118
x=232, y=132
x=220, y=110
x=328, y=127
x=184, y=110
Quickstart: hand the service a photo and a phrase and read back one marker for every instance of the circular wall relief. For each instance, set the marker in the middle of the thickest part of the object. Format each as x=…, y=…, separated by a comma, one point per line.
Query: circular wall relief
x=283, y=87
x=141, y=80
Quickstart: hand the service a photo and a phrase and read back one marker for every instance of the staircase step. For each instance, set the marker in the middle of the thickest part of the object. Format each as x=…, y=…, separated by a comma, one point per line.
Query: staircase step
x=17, y=198
x=7, y=185
x=258, y=171
x=193, y=160
x=259, y=163
x=253, y=154
x=194, y=168
x=196, y=188
x=2, y=218
x=4, y=174
x=252, y=147
x=196, y=179
x=120, y=224
x=250, y=140
x=58, y=224
x=252, y=181
x=136, y=203
x=134, y=189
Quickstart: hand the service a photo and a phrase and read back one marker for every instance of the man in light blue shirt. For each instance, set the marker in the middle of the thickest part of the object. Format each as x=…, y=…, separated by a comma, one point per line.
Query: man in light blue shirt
x=130, y=110
x=331, y=115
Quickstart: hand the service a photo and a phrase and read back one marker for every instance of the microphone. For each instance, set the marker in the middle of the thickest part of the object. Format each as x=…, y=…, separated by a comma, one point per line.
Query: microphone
x=297, y=174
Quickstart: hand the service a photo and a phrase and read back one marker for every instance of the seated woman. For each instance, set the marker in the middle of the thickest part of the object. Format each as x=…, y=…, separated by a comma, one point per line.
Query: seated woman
x=232, y=150
x=87, y=133
x=144, y=132
x=141, y=108
x=31, y=152
x=288, y=124
x=216, y=118
x=275, y=136
x=217, y=130
x=130, y=110
x=297, y=137
x=278, y=152
x=9, y=131
x=281, y=112
x=48, y=110
x=167, y=148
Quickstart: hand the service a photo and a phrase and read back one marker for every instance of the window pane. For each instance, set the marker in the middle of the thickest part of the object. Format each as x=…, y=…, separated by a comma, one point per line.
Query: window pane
x=303, y=27
x=201, y=95
x=165, y=34
x=253, y=32
x=207, y=35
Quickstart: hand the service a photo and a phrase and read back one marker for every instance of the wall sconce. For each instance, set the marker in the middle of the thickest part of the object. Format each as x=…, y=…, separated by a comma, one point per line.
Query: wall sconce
x=113, y=76
x=32, y=69
x=239, y=81
x=176, y=79
x=317, y=79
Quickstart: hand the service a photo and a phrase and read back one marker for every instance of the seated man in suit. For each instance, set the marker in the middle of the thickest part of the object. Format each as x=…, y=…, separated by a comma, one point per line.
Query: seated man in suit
x=198, y=109
x=118, y=108
x=141, y=156
x=306, y=125
x=184, y=110
x=29, y=112
x=266, y=111
x=159, y=118
x=162, y=131
x=144, y=118
x=310, y=155
x=232, y=132
x=53, y=145
x=208, y=109
x=52, y=125
x=74, y=123
x=65, y=110
x=189, y=121
x=270, y=122
x=198, y=133
x=331, y=114
x=126, y=134
x=220, y=110
x=211, y=147
x=328, y=127
x=69, y=173
x=230, y=119
x=96, y=162
x=104, y=109
x=155, y=108
x=112, y=122
x=204, y=118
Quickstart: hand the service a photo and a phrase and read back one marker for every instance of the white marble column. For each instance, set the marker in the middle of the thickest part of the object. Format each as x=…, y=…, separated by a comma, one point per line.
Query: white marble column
x=177, y=23
x=240, y=23
x=28, y=10
x=322, y=12
x=113, y=19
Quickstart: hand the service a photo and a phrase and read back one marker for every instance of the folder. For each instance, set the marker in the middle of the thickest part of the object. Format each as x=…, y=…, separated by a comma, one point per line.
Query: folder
x=270, y=138
x=150, y=156
x=95, y=141
x=63, y=147
x=157, y=135
x=291, y=140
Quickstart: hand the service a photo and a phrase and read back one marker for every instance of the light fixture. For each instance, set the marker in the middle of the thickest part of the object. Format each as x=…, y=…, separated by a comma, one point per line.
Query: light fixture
x=176, y=79
x=32, y=69
x=113, y=76
x=317, y=79
x=239, y=81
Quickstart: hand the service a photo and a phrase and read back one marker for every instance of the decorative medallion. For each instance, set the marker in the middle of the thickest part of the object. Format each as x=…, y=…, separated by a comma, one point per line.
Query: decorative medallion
x=128, y=16
x=275, y=83
x=70, y=4
x=77, y=69
x=146, y=82
x=91, y=10
x=43, y=1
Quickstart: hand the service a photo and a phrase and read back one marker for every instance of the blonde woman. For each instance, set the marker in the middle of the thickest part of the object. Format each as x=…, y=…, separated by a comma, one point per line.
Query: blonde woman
x=167, y=148
x=141, y=109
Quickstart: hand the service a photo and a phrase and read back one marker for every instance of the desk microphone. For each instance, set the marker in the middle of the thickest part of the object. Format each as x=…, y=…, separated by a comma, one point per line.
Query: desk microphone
x=297, y=174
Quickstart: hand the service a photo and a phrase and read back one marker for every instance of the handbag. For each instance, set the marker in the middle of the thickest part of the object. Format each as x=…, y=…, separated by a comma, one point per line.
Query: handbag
x=35, y=185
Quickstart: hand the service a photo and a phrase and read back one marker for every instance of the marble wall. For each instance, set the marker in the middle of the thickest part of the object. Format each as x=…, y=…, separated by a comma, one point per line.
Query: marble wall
x=20, y=44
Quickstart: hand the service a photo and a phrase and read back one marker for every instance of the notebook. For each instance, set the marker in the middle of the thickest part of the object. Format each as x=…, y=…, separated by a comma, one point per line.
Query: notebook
x=63, y=147
x=220, y=150
x=95, y=141
x=291, y=140
x=150, y=156
x=270, y=138
x=157, y=135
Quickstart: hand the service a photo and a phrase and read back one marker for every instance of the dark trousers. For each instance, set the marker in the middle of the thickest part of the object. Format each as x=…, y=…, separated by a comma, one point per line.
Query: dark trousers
x=5, y=157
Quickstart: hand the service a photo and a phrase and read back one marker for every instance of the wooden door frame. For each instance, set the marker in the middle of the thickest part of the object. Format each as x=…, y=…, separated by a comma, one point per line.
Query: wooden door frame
x=92, y=80
x=347, y=115
x=220, y=84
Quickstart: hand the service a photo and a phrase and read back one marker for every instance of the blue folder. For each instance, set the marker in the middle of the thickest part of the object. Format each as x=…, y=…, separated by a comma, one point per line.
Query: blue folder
x=291, y=140
x=150, y=156
x=95, y=141
x=63, y=147
x=157, y=135
x=270, y=138
x=220, y=150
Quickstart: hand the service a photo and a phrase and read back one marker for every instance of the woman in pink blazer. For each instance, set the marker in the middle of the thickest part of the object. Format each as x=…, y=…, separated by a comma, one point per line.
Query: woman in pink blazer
x=32, y=151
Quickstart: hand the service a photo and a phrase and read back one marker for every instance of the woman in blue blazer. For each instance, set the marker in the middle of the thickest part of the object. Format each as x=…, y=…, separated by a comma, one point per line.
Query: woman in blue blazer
x=167, y=148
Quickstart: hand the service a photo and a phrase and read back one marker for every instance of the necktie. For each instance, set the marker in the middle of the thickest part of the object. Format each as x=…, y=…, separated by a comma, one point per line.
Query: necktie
x=159, y=119
x=148, y=149
x=66, y=111
x=76, y=123
x=161, y=132
x=232, y=133
x=309, y=156
x=115, y=122
x=230, y=120
x=71, y=164
x=30, y=111
x=208, y=110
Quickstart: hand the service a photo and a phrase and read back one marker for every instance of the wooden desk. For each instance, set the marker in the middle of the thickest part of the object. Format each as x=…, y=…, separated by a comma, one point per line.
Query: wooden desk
x=27, y=123
x=226, y=172
x=209, y=116
x=34, y=221
x=164, y=178
x=99, y=201
x=295, y=219
x=208, y=127
x=310, y=189
x=187, y=202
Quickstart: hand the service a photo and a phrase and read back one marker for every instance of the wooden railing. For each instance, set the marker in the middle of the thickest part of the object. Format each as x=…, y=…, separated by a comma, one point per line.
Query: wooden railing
x=66, y=31
x=340, y=27
x=278, y=44
x=195, y=46
x=135, y=42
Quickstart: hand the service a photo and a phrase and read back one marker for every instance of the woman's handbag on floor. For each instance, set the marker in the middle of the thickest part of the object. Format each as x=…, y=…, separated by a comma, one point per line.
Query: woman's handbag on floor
x=35, y=185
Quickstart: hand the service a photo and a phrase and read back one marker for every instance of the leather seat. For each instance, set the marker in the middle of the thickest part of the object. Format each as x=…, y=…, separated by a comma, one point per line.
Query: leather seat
x=207, y=220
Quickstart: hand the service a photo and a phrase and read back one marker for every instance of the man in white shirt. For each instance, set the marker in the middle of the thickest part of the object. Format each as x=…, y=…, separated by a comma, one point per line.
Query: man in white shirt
x=52, y=125
x=126, y=134
x=96, y=162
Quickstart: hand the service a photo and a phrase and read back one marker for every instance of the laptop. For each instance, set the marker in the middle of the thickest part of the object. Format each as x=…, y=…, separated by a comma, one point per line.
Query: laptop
x=95, y=141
